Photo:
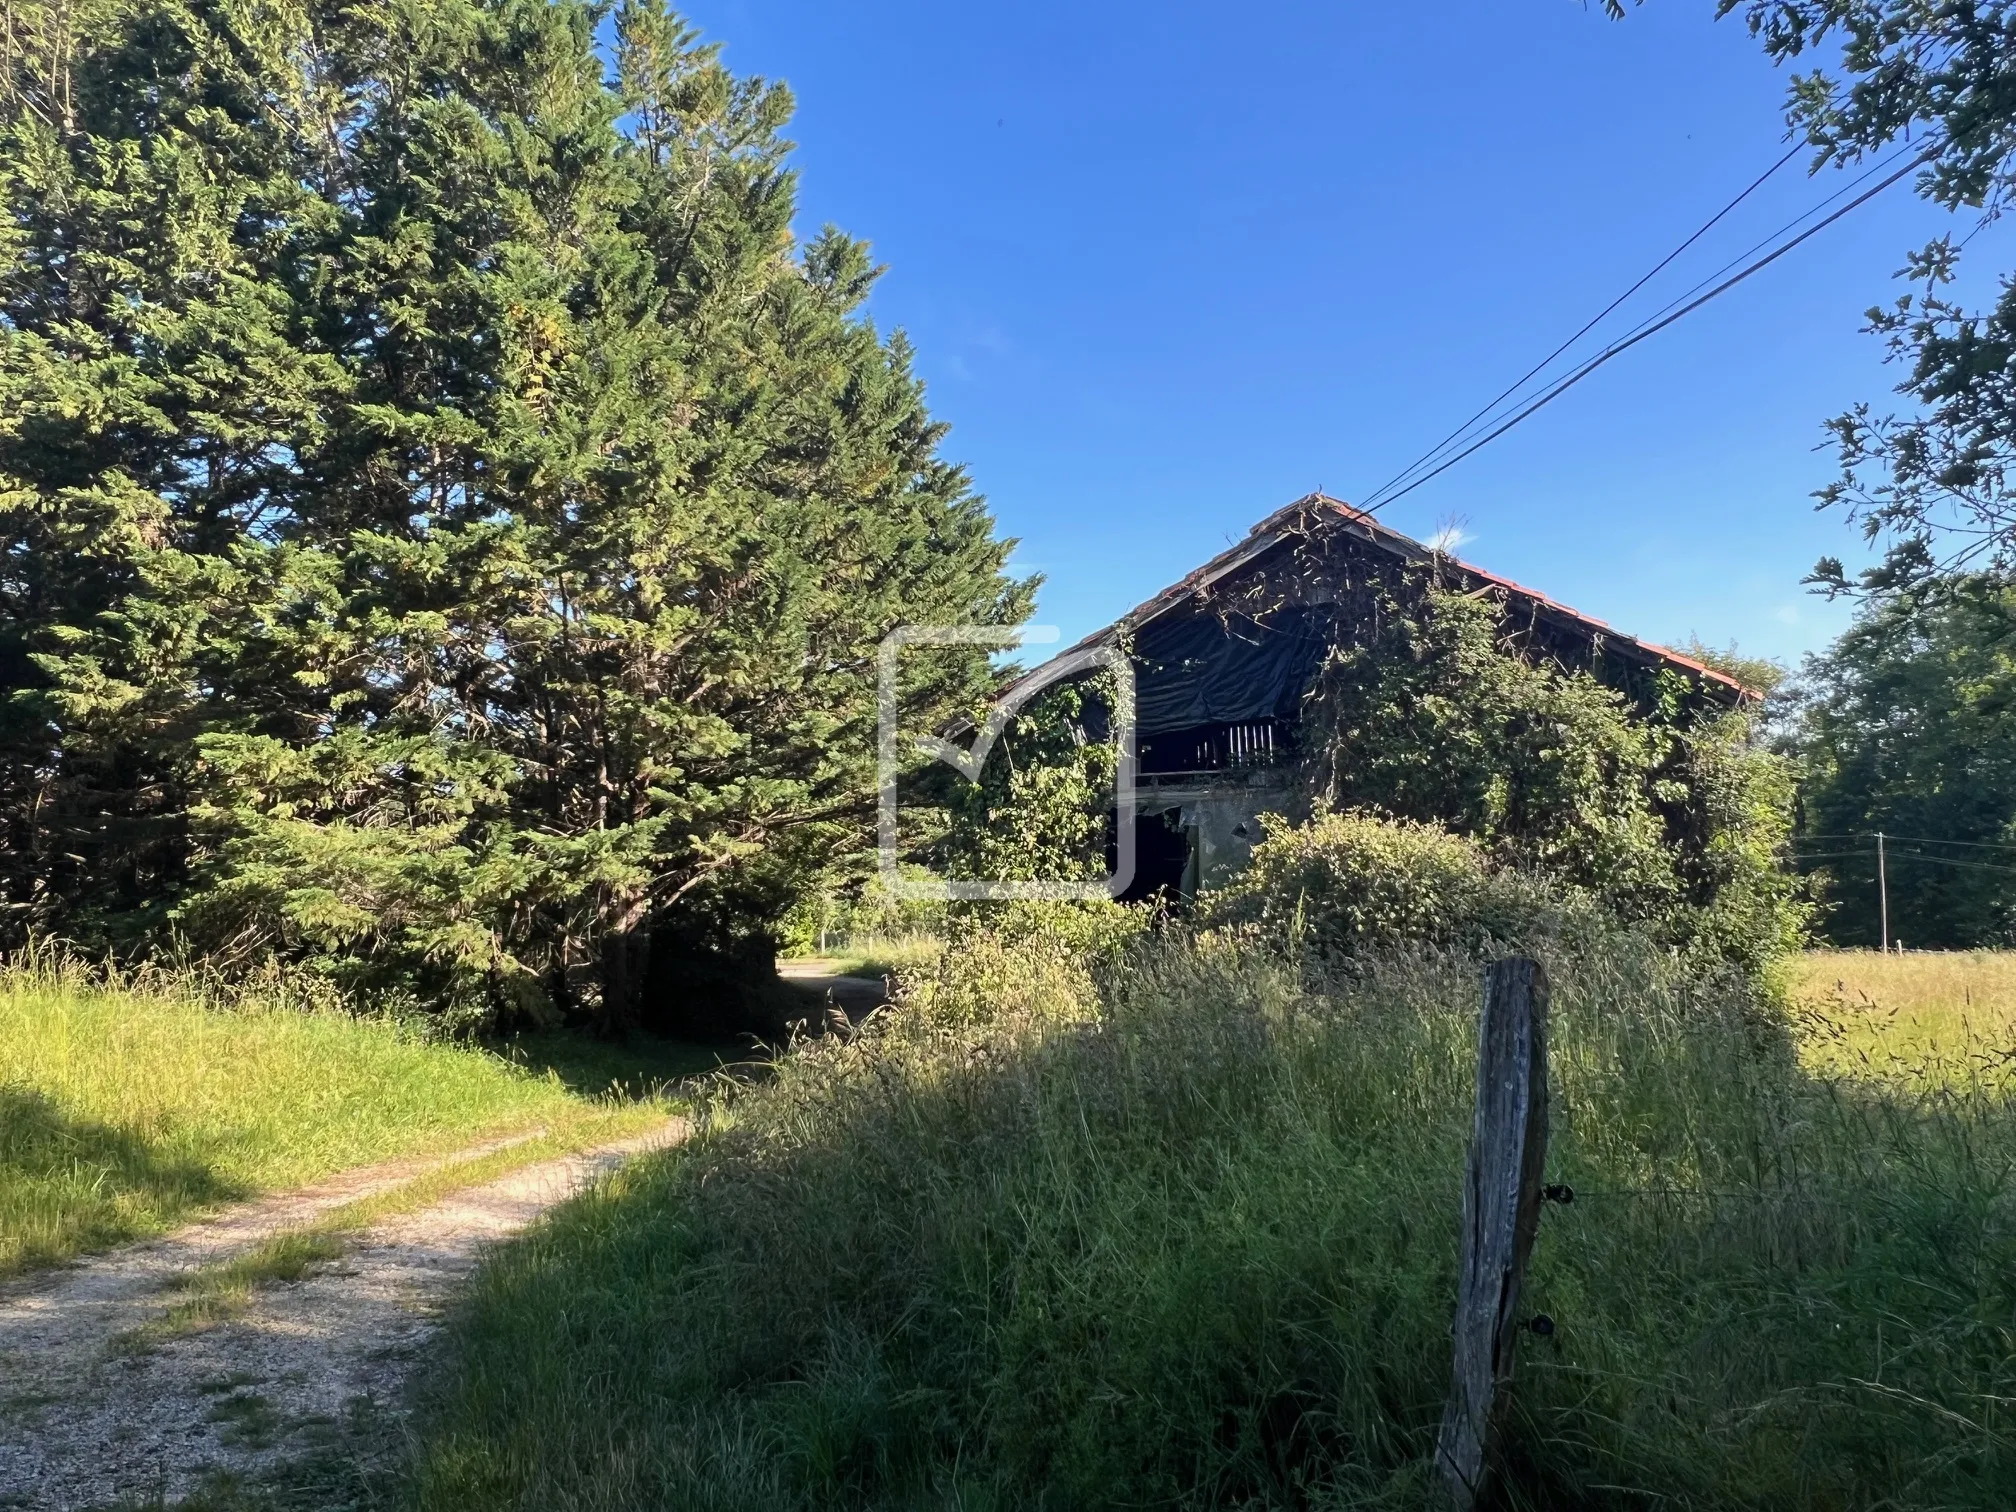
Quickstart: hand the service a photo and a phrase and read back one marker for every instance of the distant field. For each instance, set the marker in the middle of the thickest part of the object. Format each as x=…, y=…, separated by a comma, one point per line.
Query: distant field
x=1914, y=1012
x=125, y=1112
x=882, y=955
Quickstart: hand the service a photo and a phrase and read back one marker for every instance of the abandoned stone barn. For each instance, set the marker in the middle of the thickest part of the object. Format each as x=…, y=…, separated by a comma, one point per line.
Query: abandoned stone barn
x=1223, y=661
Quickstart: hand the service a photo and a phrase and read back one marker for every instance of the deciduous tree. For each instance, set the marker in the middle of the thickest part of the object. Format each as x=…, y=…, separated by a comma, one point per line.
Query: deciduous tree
x=1936, y=485
x=1909, y=727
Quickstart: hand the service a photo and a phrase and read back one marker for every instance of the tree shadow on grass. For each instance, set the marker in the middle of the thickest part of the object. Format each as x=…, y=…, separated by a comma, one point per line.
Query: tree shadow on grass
x=629, y=1070
x=1202, y=1226
x=70, y=1184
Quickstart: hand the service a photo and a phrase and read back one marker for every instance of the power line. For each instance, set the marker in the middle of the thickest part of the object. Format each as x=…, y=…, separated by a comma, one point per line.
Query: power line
x=1706, y=226
x=1793, y=224
x=1911, y=839
x=1956, y=861
x=1375, y=502
x=1870, y=855
x=1653, y=328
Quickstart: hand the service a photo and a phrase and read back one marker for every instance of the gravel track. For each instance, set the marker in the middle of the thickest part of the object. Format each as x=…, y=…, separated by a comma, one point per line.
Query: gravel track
x=317, y=1366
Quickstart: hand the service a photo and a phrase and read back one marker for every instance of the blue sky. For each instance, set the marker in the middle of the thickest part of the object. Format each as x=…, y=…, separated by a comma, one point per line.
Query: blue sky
x=1170, y=266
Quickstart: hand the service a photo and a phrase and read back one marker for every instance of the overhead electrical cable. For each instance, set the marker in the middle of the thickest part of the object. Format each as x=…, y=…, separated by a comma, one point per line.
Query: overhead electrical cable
x=1376, y=500
x=1706, y=226
x=1618, y=348
x=1909, y=855
x=1649, y=328
x=1908, y=839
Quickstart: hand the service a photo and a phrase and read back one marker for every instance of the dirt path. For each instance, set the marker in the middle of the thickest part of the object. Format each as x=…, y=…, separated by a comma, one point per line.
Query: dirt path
x=316, y=1367
x=857, y=995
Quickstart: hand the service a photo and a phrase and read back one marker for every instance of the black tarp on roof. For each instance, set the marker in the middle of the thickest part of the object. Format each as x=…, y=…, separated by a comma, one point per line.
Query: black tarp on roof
x=1201, y=669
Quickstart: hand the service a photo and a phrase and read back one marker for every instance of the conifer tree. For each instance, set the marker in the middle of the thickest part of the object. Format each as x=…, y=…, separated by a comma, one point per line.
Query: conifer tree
x=446, y=518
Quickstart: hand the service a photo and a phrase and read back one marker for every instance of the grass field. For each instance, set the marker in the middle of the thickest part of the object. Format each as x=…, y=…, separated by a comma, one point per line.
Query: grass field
x=1921, y=1012
x=1185, y=1236
x=124, y=1111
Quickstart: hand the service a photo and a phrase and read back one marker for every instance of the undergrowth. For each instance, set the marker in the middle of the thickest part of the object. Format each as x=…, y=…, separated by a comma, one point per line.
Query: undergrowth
x=1180, y=1230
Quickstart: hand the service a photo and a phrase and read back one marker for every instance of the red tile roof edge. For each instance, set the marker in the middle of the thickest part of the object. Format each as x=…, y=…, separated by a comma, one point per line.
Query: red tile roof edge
x=1270, y=531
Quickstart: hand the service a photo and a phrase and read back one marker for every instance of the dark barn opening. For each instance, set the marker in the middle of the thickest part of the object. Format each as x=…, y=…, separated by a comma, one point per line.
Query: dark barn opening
x=1161, y=857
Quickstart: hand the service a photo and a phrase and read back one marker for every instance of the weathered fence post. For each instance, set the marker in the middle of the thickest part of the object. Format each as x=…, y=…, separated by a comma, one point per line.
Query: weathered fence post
x=1501, y=1211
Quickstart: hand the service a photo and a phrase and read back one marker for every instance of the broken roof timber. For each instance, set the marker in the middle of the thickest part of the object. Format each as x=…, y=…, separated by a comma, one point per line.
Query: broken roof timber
x=1317, y=512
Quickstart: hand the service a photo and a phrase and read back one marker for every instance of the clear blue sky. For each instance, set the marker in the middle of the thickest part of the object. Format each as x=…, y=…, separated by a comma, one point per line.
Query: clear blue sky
x=1169, y=266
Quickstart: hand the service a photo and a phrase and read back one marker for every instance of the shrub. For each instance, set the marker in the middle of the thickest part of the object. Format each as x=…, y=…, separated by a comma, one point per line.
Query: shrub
x=1355, y=884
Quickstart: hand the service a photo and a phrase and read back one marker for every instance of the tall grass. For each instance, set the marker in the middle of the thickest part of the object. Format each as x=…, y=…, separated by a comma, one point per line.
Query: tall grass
x=1181, y=1232
x=127, y=1106
x=1912, y=1012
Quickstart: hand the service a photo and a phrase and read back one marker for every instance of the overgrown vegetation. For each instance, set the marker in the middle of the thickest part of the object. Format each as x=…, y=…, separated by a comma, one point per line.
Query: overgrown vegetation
x=1664, y=807
x=1637, y=792
x=1905, y=728
x=127, y=1106
x=1351, y=885
x=1179, y=1229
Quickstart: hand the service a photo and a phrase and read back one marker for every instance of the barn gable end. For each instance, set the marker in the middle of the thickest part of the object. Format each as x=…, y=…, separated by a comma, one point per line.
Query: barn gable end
x=1224, y=658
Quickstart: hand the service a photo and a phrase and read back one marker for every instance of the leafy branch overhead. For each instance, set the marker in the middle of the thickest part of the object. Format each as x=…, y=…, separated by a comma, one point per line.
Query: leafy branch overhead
x=1933, y=485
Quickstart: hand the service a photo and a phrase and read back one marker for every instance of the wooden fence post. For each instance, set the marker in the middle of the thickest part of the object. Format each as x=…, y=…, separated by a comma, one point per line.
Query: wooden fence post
x=1501, y=1211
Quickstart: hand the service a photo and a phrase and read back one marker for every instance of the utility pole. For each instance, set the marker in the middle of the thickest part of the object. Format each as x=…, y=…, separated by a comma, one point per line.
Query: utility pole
x=1883, y=891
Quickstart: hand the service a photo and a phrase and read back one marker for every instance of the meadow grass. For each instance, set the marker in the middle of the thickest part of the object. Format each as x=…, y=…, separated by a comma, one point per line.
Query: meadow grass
x=1903, y=1013
x=1180, y=1231
x=126, y=1108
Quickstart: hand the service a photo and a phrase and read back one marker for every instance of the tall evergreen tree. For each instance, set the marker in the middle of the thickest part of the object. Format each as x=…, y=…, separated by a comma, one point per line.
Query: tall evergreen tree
x=446, y=520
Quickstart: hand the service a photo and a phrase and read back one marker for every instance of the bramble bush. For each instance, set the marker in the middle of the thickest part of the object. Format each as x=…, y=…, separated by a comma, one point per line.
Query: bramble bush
x=1351, y=884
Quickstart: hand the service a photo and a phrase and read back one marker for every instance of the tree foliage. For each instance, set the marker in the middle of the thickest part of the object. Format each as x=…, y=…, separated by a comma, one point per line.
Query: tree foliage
x=1907, y=719
x=445, y=517
x=1040, y=811
x=1669, y=811
x=1936, y=485
x=1909, y=727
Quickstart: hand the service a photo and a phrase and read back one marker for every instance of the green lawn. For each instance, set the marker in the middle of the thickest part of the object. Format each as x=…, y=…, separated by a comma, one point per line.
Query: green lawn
x=125, y=1112
x=883, y=955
